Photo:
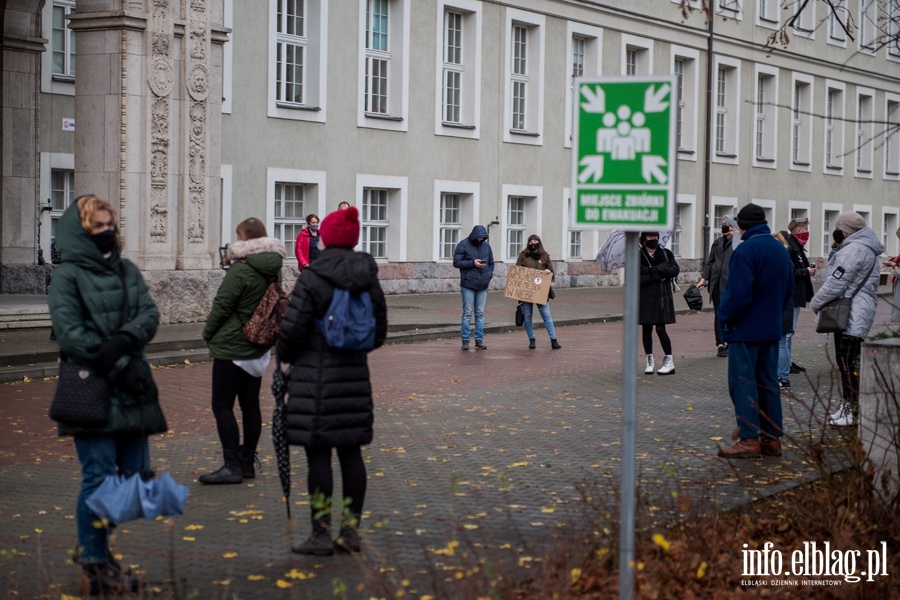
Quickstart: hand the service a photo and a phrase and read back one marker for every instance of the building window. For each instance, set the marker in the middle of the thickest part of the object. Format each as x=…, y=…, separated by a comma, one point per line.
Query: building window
x=62, y=193
x=515, y=226
x=290, y=51
x=679, y=102
x=458, y=85
x=63, y=39
x=720, y=211
x=525, y=63
x=450, y=225
x=865, y=134
x=575, y=235
x=727, y=111
x=675, y=238
x=583, y=53
x=834, y=128
x=804, y=18
x=637, y=56
x=837, y=21
x=893, y=29
x=684, y=67
x=375, y=87
x=768, y=11
x=631, y=62
x=453, y=66
x=892, y=138
x=297, y=67
x=801, y=129
x=577, y=57
x=766, y=118
x=888, y=233
x=290, y=216
x=373, y=234
x=829, y=218
x=383, y=65
x=868, y=25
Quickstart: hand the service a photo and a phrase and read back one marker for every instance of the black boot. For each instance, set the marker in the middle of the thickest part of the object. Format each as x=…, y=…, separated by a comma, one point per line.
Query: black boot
x=319, y=542
x=107, y=579
x=554, y=344
x=348, y=541
x=249, y=461
x=531, y=343
x=230, y=473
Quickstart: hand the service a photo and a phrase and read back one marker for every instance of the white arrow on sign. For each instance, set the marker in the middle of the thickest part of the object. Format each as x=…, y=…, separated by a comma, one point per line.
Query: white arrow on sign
x=596, y=100
x=650, y=167
x=655, y=99
x=593, y=168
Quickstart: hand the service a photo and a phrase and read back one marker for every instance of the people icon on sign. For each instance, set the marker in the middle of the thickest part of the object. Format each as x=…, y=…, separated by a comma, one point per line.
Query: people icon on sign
x=624, y=134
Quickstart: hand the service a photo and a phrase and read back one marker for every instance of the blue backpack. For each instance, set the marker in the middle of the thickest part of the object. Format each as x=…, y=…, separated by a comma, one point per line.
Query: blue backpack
x=349, y=323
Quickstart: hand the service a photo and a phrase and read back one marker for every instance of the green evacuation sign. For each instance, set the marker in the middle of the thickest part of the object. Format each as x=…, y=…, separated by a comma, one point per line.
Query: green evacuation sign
x=623, y=171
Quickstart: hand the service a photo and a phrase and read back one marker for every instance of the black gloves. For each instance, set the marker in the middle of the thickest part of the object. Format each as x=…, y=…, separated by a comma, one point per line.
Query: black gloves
x=110, y=352
x=134, y=378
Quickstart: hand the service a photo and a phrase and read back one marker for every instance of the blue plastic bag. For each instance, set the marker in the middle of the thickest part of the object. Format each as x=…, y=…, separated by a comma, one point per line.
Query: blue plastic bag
x=120, y=499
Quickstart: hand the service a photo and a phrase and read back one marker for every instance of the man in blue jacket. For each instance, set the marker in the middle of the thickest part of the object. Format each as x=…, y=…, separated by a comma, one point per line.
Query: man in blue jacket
x=475, y=261
x=760, y=286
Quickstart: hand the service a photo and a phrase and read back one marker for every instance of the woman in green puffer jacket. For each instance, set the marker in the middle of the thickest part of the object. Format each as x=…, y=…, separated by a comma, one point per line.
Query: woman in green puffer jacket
x=103, y=317
x=238, y=365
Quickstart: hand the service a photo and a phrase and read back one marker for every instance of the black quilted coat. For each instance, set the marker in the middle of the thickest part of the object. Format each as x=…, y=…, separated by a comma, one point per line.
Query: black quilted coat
x=329, y=391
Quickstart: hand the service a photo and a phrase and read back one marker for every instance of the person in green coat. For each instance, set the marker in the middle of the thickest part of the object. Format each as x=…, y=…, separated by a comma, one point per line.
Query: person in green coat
x=238, y=364
x=103, y=317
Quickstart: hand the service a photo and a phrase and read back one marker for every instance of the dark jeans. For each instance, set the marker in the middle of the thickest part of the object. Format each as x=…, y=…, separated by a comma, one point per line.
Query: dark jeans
x=753, y=385
x=101, y=455
x=321, y=481
x=847, y=349
x=647, y=331
x=228, y=381
x=716, y=324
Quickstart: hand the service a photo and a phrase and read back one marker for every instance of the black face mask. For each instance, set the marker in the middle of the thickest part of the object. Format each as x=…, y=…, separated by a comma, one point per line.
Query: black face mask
x=105, y=240
x=534, y=247
x=725, y=229
x=652, y=244
x=477, y=242
x=838, y=236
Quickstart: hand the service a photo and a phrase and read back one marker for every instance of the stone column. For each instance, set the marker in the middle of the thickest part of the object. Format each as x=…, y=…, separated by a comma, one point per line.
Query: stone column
x=879, y=412
x=148, y=108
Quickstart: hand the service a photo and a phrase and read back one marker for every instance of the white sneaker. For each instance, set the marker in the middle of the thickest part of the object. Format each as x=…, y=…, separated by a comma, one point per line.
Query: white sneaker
x=668, y=366
x=649, y=368
x=844, y=420
x=837, y=414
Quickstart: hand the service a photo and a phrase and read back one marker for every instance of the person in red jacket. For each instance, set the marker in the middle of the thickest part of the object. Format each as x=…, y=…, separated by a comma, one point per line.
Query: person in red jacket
x=306, y=248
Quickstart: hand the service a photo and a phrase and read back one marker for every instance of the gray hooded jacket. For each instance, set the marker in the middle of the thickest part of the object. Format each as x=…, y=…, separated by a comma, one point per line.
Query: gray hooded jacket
x=857, y=260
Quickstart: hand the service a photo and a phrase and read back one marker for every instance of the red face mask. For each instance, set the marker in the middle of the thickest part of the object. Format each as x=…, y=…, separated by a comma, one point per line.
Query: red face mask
x=801, y=237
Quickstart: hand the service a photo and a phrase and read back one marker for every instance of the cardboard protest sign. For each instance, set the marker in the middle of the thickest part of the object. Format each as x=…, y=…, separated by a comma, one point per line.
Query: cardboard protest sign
x=528, y=285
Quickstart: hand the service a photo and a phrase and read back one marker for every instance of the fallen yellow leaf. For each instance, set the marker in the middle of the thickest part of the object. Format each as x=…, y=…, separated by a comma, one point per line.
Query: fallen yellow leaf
x=229, y=555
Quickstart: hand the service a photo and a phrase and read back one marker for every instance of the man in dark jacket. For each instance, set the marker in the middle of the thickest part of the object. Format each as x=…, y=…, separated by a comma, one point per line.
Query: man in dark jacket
x=475, y=261
x=760, y=286
x=715, y=276
x=797, y=237
x=329, y=390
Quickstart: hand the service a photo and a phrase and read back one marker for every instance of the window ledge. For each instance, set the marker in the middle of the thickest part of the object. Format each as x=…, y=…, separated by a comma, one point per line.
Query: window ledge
x=833, y=168
x=457, y=125
x=369, y=115
x=293, y=106
x=682, y=151
x=63, y=78
x=864, y=171
x=800, y=164
x=894, y=173
x=803, y=30
x=764, y=160
x=725, y=155
x=525, y=133
x=768, y=20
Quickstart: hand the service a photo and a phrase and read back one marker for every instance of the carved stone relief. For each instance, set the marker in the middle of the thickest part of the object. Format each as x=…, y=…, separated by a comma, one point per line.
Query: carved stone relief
x=161, y=80
x=198, y=83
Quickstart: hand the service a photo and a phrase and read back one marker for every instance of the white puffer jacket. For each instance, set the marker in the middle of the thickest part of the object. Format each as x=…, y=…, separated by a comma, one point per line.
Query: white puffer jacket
x=857, y=260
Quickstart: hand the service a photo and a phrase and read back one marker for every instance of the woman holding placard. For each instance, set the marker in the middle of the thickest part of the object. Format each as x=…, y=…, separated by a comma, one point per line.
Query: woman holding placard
x=534, y=256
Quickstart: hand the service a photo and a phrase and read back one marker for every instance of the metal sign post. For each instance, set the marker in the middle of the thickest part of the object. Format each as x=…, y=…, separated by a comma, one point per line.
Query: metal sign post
x=623, y=177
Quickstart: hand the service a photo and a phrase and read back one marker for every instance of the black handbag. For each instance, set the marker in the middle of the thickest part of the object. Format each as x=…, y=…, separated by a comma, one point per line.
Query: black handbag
x=551, y=294
x=81, y=397
x=834, y=316
x=520, y=316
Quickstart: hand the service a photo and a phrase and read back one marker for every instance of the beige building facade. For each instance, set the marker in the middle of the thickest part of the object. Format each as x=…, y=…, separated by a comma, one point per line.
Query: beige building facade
x=430, y=116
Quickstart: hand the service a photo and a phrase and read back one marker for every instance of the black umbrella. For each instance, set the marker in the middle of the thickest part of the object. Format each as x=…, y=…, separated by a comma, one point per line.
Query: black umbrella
x=279, y=432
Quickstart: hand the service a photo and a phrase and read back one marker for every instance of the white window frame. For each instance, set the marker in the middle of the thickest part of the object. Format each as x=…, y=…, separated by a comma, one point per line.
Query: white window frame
x=864, y=128
x=797, y=209
x=833, y=122
x=801, y=122
x=828, y=225
x=869, y=27
x=836, y=36
x=730, y=9
x=893, y=30
x=729, y=154
x=227, y=57
x=889, y=231
x=398, y=194
x=54, y=83
x=592, y=38
x=769, y=206
x=892, y=136
x=469, y=208
x=688, y=105
x=50, y=161
x=805, y=25
x=397, y=116
x=314, y=106
x=765, y=141
x=314, y=193
x=469, y=125
x=534, y=64
x=685, y=214
x=644, y=49
x=227, y=177
x=865, y=211
x=729, y=206
x=589, y=236
x=768, y=13
x=533, y=216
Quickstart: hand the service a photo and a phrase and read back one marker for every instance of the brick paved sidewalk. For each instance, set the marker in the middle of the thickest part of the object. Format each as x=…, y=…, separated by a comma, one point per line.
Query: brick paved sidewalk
x=487, y=447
